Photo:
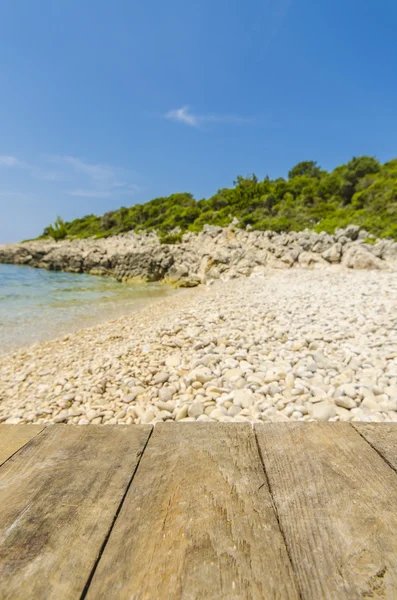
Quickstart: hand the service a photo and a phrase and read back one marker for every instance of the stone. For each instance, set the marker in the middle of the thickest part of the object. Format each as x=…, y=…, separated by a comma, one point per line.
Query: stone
x=202, y=374
x=359, y=257
x=334, y=253
x=165, y=405
x=202, y=417
x=13, y=420
x=181, y=412
x=90, y=414
x=230, y=373
x=195, y=409
x=134, y=391
x=62, y=416
x=164, y=415
x=345, y=402
x=243, y=398
x=343, y=413
x=350, y=389
x=160, y=377
x=148, y=416
x=166, y=393
x=173, y=360
x=218, y=413
x=290, y=380
x=233, y=410
x=369, y=405
x=323, y=411
x=311, y=259
x=391, y=391
x=128, y=399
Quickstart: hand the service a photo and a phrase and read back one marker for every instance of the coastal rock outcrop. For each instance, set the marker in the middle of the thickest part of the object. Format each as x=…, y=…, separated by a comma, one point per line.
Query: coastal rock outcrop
x=214, y=253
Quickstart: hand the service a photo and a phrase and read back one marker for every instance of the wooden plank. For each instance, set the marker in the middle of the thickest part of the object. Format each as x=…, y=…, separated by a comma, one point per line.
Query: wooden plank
x=198, y=522
x=382, y=437
x=336, y=503
x=58, y=499
x=14, y=437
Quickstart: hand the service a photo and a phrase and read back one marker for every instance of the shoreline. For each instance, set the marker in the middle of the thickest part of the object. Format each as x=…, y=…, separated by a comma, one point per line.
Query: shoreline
x=280, y=345
x=38, y=306
x=84, y=332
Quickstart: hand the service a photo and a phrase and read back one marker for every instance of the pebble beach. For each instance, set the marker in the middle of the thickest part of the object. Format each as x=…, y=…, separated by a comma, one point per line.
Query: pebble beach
x=296, y=345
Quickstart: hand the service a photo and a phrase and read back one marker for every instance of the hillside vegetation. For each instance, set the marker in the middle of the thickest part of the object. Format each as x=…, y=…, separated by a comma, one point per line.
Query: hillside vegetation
x=362, y=192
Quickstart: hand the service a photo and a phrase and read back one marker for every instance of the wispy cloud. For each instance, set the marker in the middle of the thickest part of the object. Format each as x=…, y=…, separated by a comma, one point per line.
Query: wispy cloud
x=83, y=178
x=13, y=194
x=183, y=115
x=9, y=161
x=186, y=116
x=89, y=193
x=35, y=171
x=97, y=172
x=94, y=180
x=43, y=175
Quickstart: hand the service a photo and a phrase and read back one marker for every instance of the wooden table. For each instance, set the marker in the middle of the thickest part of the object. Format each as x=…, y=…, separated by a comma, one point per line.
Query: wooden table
x=196, y=511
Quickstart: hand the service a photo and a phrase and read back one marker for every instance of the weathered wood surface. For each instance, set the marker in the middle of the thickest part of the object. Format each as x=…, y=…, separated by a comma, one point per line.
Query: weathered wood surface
x=59, y=496
x=383, y=438
x=198, y=522
x=83, y=514
x=336, y=501
x=14, y=437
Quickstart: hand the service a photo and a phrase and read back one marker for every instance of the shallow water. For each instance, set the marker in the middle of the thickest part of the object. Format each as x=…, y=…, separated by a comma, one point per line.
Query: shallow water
x=36, y=304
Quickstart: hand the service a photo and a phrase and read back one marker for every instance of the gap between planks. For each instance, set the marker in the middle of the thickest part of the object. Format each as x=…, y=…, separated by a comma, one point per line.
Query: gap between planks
x=197, y=522
x=335, y=498
x=58, y=498
x=105, y=541
x=14, y=437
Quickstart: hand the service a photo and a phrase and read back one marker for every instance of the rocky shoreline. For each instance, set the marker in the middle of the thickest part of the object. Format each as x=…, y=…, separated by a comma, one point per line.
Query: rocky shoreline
x=295, y=344
x=214, y=253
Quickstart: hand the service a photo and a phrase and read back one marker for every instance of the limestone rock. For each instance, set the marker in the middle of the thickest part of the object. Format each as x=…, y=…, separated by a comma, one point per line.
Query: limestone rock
x=195, y=409
x=333, y=254
x=213, y=253
x=323, y=411
x=358, y=257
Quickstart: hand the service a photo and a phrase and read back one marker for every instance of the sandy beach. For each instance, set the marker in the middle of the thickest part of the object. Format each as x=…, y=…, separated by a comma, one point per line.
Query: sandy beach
x=282, y=345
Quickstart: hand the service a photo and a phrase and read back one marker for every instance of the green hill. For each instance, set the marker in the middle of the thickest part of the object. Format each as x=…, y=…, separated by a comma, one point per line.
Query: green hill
x=362, y=192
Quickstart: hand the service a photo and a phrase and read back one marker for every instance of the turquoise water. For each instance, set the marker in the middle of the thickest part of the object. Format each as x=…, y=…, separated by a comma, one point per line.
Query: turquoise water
x=36, y=304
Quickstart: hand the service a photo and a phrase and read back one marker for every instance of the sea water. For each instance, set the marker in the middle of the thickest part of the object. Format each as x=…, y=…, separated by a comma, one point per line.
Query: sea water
x=36, y=304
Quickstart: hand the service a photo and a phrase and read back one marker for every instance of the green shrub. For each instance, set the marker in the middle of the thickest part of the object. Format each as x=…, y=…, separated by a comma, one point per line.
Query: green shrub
x=58, y=231
x=362, y=192
x=174, y=238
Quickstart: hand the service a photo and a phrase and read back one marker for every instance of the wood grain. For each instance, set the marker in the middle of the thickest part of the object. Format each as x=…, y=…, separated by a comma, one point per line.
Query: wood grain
x=382, y=437
x=58, y=498
x=197, y=523
x=14, y=437
x=336, y=502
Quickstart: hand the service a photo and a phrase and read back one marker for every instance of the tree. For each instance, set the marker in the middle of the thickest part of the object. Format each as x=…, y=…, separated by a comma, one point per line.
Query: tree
x=357, y=168
x=109, y=220
x=246, y=181
x=361, y=166
x=306, y=167
x=269, y=201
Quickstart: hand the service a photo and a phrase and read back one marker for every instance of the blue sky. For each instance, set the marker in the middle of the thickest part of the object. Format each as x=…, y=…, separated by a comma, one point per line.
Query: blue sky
x=106, y=103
